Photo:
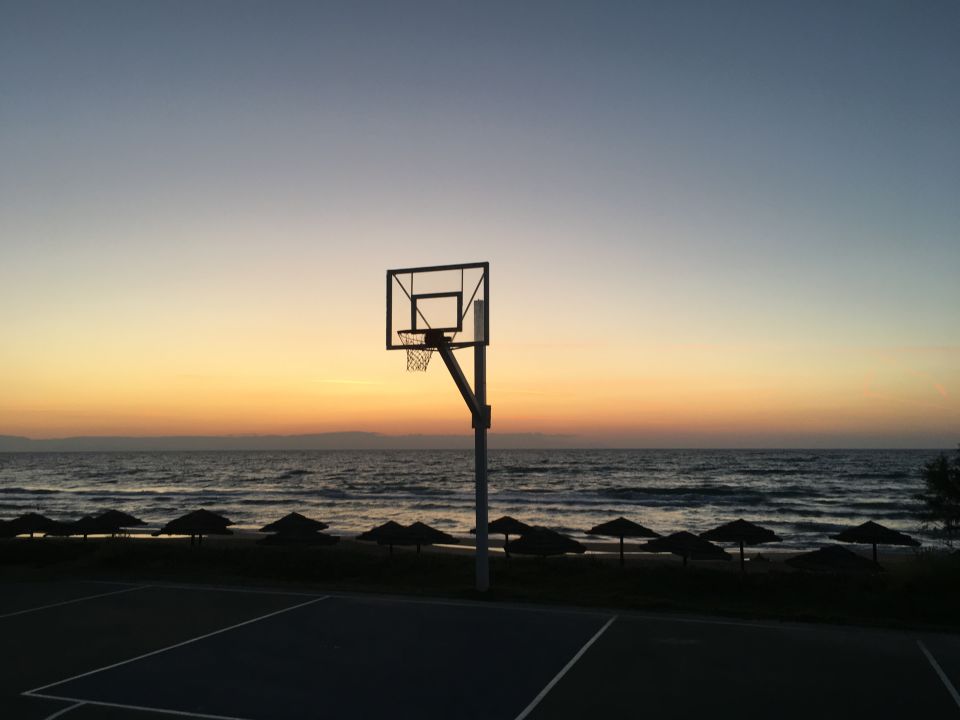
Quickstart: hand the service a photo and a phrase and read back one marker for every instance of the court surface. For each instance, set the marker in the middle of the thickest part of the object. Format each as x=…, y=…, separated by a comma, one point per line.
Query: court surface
x=84, y=650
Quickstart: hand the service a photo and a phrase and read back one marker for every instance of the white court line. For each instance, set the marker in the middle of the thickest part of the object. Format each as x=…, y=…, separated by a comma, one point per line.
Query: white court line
x=75, y=600
x=139, y=708
x=471, y=604
x=383, y=598
x=788, y=625
x=231, y=589
x=35, y=691
x=508, y=605
x=64, y=711
x=543, y=693
x=939, y=670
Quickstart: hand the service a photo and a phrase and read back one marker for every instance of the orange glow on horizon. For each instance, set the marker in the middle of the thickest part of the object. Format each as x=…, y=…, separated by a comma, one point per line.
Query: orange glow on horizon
x=670, y=392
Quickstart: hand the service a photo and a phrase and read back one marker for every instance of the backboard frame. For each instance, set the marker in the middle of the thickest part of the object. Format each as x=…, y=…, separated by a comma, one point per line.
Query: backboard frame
x=465, y=298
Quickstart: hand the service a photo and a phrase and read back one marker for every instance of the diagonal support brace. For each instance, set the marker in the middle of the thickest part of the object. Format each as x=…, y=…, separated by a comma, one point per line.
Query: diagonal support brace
x=476, y=410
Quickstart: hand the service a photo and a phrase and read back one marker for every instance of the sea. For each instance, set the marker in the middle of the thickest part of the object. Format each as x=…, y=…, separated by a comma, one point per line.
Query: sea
x=802, y=495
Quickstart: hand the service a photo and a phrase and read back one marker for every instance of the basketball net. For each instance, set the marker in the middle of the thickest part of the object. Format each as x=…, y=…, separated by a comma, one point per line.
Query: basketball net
x=417, y=358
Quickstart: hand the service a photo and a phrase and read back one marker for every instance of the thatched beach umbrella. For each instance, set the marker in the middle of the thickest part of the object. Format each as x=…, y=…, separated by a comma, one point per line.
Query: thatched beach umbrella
x=621, y=528
x=871, y=533
x=742, y=532
x=197, y=524
x=294, y=523
x=295, y=529
x=419, y=533
x=543, y=541
x=390, y=533
x=297, y=537
x=686, y=545
x=31, y=523
x=87, y=525
x=505, y=526
x=833, y=558
x=119, y=520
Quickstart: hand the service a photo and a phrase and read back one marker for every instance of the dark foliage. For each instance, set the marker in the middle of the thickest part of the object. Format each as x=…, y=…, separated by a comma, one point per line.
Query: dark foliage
x=942, y=497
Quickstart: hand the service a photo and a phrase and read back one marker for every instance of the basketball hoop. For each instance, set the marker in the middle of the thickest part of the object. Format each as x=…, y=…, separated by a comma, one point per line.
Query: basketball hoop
x=446, y=307
x=418, y=358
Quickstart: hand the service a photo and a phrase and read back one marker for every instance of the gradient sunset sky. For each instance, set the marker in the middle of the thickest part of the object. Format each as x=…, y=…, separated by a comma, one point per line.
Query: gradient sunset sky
x=709, y=223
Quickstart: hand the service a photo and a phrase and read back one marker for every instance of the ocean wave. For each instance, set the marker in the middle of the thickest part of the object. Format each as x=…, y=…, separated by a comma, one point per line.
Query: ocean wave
x=769, y=472
x=679, y=490
x=27, y=491
x=289, y=474
x=815, y=527
x=889, y=475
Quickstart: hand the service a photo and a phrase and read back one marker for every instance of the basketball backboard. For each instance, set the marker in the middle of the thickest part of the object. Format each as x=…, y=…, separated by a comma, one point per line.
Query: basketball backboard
x=448, y=299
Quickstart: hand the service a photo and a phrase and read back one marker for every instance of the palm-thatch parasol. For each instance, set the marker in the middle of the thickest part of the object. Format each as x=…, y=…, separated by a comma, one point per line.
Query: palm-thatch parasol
x=621, y=528
x=119, y=520
x=833, y=558
x=295, y=529
x=686, y=545
x=390, y=533
x=742, y=532
x=505, y=526
x=419, y=533
x=298, y=537
x=543, y=541
x=294, y=523
x=197, y=524
x=871, y=533
x=31, y=523
x=87, y=525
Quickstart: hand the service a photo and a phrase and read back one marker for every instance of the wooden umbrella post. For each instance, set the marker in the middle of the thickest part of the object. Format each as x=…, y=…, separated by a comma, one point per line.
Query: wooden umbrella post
x=741, y=556
x=621, y=551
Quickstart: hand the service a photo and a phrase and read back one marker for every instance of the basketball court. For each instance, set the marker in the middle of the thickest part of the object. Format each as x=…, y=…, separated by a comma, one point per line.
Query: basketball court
x=108, y=650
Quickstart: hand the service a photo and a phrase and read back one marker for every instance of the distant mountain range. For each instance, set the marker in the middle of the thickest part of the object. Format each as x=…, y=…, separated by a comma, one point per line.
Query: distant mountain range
x=316, y=441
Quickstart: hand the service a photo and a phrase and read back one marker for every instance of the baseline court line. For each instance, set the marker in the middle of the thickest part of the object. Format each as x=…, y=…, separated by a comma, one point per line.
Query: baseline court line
x=64, y=711
x=471, y=604
x=787, y=625
x=939, y=670
x=35, y=691
x=140, y=708
x=226, y=588
x=383, y=598
x=543, y=693
x=75, y=600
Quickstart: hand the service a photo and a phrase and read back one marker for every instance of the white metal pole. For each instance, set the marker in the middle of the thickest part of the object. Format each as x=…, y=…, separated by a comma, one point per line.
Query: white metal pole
x=481, y=424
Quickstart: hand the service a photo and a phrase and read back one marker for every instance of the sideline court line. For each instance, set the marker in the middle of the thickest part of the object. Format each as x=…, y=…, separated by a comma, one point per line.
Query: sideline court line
x=35, y=691
x=64, y=711
x=138, y=708
x=75, y=600
x=940, y=673
x=563, y=671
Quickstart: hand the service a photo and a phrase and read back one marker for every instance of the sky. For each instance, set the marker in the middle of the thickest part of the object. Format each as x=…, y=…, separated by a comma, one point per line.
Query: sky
x=709, y=224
